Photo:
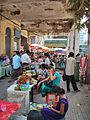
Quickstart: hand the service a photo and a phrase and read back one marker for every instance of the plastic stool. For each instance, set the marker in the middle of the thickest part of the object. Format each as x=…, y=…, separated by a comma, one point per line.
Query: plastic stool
x=51, y=99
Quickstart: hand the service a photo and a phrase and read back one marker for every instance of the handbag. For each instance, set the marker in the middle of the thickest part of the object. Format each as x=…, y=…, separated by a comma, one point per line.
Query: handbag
x=64, y=76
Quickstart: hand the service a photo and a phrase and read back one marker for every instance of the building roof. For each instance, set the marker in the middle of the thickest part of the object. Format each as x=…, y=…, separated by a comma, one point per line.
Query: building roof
x=39, y=15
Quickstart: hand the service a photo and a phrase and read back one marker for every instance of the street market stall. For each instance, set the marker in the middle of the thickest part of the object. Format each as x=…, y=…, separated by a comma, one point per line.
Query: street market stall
x=23, y=95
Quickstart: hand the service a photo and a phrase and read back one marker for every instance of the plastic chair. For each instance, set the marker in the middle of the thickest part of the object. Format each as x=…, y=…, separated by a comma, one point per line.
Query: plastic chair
x=48, y=99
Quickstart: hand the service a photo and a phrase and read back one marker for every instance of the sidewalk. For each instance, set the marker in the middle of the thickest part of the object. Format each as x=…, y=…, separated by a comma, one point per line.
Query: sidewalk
x=79, y=103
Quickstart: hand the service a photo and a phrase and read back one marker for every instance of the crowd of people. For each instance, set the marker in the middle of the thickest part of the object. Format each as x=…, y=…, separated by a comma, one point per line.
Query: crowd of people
x=26, y=60
x=46, y=74
x=49, y=78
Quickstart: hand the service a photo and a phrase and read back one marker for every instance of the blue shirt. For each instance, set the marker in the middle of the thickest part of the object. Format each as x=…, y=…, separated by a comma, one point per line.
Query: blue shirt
x=16, y=62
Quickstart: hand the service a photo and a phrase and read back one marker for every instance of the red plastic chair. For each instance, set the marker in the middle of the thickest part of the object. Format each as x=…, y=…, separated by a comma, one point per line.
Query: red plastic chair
x=48, y=99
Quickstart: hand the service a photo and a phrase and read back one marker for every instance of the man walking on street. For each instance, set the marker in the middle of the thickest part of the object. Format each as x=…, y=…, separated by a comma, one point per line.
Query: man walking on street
x=70, y=66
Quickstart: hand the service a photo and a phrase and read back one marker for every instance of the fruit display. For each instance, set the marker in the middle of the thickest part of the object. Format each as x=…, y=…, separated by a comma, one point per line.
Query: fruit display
x=23, y=80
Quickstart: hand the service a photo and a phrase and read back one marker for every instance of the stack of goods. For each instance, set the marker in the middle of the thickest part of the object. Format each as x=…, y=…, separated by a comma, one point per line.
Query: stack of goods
x=23, y=82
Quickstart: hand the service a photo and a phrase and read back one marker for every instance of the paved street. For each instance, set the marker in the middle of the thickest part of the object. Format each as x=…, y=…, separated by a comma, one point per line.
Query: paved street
x=79, y=103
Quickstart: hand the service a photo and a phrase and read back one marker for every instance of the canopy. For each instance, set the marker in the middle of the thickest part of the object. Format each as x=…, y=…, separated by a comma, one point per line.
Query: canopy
x=37, y=46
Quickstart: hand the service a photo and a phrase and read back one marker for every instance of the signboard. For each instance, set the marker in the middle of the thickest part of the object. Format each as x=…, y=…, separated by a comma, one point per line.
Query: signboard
x=56, y=43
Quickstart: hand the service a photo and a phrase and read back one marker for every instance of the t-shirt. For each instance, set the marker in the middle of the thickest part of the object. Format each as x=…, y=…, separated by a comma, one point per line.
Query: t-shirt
x=16, y=61
x=57, y=80
x=25, y=58
x=47, y=61
x=70, y=66
x=62, y=101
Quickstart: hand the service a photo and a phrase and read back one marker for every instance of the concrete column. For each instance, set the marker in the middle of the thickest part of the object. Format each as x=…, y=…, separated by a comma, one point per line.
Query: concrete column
x=74, y=41
x=71, y=39
x=77, y=42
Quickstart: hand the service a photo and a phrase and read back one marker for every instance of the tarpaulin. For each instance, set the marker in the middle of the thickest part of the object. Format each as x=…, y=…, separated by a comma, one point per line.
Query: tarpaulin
x=10, y=109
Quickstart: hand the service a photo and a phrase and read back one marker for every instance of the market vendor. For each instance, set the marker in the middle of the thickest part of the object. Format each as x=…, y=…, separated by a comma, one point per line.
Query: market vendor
x=46, y=84
x=5, y=65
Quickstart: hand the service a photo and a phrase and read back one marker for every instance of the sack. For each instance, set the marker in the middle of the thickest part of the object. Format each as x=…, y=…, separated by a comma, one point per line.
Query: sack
x=64, y=76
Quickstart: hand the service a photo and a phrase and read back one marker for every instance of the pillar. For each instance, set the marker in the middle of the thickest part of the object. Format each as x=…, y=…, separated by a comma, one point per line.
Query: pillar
x=76, y=42
x=71, y=40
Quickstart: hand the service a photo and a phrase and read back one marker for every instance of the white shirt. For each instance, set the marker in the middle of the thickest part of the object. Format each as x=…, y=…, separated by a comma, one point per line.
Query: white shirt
x=70, y=66
x=25, y=58
x=47, y=61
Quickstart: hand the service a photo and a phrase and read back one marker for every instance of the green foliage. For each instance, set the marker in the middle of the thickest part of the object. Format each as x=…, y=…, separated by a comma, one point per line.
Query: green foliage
x=80, y=8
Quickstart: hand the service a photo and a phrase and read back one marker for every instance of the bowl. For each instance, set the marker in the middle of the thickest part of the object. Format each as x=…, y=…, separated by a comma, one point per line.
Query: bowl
x=24, y=87
x=39, y=106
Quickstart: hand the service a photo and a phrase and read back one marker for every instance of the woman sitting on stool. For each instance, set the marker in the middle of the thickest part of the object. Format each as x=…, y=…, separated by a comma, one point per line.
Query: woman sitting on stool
x=46, y=84
x=57, y=111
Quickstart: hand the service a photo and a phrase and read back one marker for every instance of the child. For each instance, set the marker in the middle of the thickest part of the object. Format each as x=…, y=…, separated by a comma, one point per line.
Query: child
x=58, y=111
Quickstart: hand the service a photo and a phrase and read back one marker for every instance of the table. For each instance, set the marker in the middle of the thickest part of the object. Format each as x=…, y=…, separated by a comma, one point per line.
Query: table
x=22, y=97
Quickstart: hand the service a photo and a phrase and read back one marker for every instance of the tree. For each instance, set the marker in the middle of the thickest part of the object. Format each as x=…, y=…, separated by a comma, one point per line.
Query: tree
x=80, y=8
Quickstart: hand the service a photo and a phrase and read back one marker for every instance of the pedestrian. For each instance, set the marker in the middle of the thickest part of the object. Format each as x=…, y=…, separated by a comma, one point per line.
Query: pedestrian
x=17, y=68
x=69, y=70
x=59, y=109
x=47, y=83
x=47, y=59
